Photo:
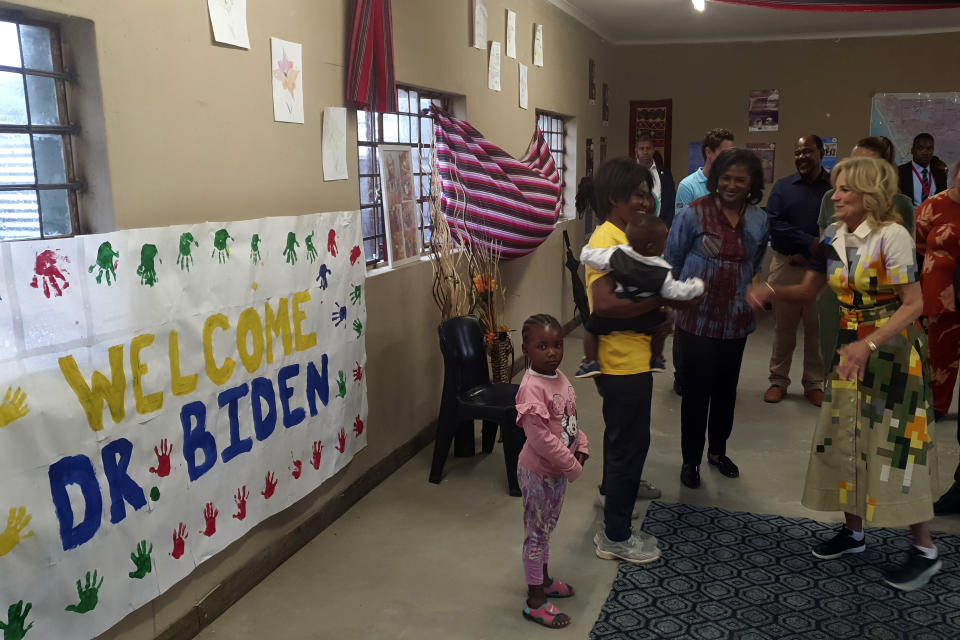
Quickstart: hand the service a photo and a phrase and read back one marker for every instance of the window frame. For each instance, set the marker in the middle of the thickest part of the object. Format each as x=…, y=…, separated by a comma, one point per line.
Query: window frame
x=557, y=125
x=73, y=185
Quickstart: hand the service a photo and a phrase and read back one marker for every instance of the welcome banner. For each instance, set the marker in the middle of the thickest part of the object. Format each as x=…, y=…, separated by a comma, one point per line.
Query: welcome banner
x=161, y=392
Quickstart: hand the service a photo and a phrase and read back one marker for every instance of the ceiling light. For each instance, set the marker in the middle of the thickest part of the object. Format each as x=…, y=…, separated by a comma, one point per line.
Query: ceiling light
x=699, y=5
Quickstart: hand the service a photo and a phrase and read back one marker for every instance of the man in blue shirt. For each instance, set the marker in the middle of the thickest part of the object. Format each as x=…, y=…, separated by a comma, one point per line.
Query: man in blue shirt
x=695, y=185
x=793, y=209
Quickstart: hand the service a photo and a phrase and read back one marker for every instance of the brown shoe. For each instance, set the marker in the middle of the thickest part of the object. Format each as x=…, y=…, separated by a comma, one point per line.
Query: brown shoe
x=774, y=394
x=814, y=397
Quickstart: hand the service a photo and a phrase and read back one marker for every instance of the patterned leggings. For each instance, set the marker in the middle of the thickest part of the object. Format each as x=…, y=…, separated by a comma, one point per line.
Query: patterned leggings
x=542, y=500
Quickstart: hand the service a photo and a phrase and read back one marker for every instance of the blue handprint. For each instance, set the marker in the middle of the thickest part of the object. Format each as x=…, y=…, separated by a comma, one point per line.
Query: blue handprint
x=339, y=316
x=322, y=276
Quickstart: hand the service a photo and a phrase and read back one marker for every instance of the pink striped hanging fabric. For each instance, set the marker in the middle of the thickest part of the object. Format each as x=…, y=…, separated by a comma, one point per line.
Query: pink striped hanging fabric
x=491, y=197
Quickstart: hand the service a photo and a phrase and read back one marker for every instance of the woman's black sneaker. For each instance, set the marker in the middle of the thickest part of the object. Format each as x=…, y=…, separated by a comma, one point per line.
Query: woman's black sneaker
x=914, y=573
x=839, y=545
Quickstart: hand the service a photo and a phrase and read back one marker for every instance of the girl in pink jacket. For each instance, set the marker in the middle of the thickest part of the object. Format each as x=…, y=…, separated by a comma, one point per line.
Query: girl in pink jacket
x=554, y=454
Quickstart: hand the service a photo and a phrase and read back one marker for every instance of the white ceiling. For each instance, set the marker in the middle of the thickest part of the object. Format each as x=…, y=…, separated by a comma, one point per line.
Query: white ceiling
x=675, y=21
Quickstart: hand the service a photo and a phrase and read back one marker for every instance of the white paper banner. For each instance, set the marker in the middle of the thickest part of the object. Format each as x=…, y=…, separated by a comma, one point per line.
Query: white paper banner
x=161, y=392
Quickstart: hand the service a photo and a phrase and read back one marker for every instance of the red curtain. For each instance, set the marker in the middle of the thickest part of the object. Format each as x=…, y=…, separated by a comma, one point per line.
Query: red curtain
x=370, y=81
x=835, y=5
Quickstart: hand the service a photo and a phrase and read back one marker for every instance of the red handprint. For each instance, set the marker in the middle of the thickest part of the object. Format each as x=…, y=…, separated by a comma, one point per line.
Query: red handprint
x=358, y=373
x=271, y=485
x=241, y=500
x=342, y=439
x=332, y=242
x=358, y=426
x=210, y=517
x=297, y=467
x=47, y=271
x=163, y=459
x=355, y=253
x=179, y=537
x=317, y=454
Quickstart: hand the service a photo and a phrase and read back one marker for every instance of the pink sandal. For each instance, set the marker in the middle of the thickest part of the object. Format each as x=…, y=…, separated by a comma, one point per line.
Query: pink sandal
x=546, y=615
x=558, y=589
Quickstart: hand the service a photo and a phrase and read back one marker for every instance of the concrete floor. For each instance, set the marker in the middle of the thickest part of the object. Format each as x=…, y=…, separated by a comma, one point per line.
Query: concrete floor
x=424, y=561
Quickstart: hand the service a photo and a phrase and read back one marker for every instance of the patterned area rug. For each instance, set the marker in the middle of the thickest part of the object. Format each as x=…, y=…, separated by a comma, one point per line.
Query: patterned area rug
x=729, y=574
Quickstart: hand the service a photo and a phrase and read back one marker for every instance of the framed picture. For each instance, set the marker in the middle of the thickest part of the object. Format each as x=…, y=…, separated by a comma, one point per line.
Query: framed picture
x=399, y=204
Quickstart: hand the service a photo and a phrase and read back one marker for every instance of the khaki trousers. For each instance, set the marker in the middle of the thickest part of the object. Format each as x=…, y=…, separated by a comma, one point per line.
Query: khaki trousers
x=788, y=316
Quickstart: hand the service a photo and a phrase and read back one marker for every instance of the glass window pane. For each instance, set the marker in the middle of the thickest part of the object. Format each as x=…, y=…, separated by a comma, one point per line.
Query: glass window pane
x=55, y=210
x=403, y=103
x=48, y=150
x=366, y=126
x=36, y=47
x=413, y=100
x=13, y=104
x=404, y=128
x=370, y=249
x=424, y=185
x=426, y=131
x=16, y=159
x=42, y=95
x=367, y=163
x=368, y=221
x=390, y=128
x=18, y=215
x=9, y=45
x=414, y=129
x=425, y=103
x=368, y=191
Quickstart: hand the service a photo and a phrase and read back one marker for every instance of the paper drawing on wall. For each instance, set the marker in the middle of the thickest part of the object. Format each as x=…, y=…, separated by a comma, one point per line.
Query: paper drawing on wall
x=493, y=73
x=538, y=45
x=229, y=21
x=511, y=34
x=767, y=152
x=480, y=24
x=764, y=110
x=524, y=89
x=287, y=72
x=334, y=143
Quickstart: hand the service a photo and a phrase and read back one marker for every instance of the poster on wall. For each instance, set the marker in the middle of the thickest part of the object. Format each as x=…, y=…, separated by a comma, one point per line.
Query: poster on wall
x=287, y=73
x=592, y=81
x=829, y=153
x=588, y=166
x=524, y=88
x=511, y=42
x=493, y=72
x=605, y=108
x=694, y=156
x=764, y=110
x=654, y=118
x=168, y=390
x=538, y=45
x=901, y=116
x=399, y=204
x=334, y=146
x=603, y=149
x=229, y=21
x=480, y=24
x=767, y=152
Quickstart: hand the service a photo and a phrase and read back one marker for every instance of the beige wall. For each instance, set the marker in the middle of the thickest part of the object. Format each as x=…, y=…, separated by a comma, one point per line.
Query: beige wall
x=189, y=136
x=826, y=86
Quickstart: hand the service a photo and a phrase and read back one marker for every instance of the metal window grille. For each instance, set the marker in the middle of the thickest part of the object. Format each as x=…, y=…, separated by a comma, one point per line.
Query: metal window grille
x=38, y=184
x=554, y=131
x=408, y=126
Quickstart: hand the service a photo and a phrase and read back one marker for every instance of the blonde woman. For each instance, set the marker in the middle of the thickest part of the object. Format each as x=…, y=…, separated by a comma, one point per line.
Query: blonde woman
x=872, y=456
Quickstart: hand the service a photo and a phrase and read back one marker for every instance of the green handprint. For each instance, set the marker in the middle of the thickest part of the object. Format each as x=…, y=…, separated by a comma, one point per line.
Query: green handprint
x=147, y=271
x=105, y=262
x=184, y=259
x=355, y=294
x=141, y=560
x=220, y=248
x=290, y=252
x=311, y=250
x=342, y=386
x=358, y=327
x=13, y=628
x=255, y=248
x=87, y=594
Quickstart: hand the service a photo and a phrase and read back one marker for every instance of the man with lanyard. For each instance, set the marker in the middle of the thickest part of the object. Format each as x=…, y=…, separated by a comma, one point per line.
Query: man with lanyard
x=918, y=179
x=793, y=209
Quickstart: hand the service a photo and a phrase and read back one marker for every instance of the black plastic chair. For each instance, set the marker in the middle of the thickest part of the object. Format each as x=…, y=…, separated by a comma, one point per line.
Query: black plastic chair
x=469, y=395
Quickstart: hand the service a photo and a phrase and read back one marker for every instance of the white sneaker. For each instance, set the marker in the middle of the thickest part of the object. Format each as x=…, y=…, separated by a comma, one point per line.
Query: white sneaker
x=639, y=548
x=648, y=491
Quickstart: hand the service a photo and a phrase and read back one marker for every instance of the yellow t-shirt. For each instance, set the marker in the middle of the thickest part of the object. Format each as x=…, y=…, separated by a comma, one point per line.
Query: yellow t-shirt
x=621, y=353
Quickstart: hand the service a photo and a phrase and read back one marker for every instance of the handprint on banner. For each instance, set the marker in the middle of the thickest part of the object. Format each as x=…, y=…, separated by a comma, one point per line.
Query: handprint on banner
x=255, y=248
x=290, y=251
x=179, y=540
x=210, y=519
x=106, y=263
x=322, y=276
x=220, y=248
x=355, y=293
x=355, y=254
x=184, y=258
x=163, y=459
x=341, y=385
x=358, y=373
x=17, y=521
x=358, y=328
x=358, y=426
x=339, y=316
x=241, y=501
x=271, y=485
x=147, y=270
x=13, y=628
x=297, y=468
x=46, y=272
x=13, y=407
x=342, y=441
x=332, y=242
x=88, y=595
x=311, y=250
x=141, y=560
x=317, y=454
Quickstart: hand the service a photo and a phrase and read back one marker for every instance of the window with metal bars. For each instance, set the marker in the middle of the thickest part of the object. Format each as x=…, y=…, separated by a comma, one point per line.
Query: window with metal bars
x=38, y=184
x=408, y=126
x=554, y=131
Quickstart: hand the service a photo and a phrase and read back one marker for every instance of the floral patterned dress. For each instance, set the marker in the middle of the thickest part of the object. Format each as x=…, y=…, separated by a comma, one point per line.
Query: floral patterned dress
x=873, y=453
